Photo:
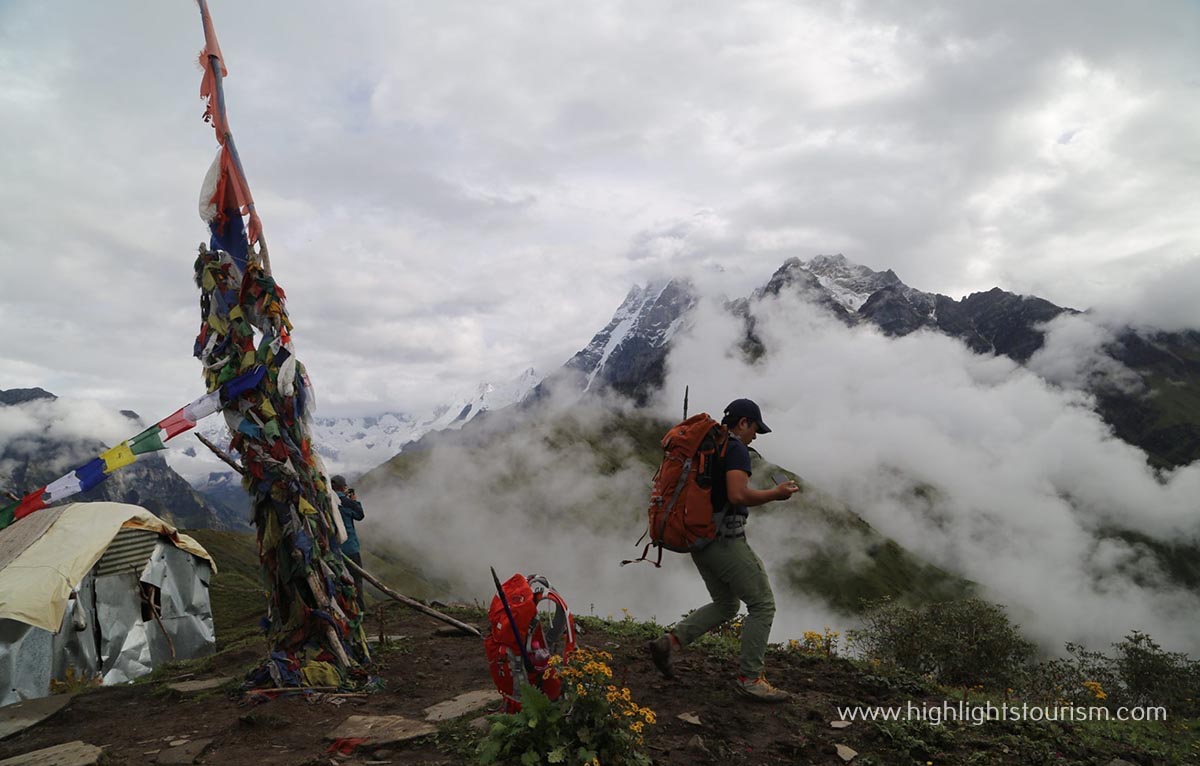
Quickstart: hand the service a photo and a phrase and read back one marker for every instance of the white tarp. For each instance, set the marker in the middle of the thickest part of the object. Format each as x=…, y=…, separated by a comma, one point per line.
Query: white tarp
x=40, y=571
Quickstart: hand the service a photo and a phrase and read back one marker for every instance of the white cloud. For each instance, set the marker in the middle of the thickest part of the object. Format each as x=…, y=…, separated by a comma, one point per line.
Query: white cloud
x=451, y=192
x=1073, y=354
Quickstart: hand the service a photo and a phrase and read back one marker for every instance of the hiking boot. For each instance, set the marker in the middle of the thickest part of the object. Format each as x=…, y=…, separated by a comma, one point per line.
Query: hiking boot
x=759, y=690
x=662, y=650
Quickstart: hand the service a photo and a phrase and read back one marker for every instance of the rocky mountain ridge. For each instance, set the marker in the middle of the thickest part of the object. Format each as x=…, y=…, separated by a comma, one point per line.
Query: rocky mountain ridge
x=629, y=354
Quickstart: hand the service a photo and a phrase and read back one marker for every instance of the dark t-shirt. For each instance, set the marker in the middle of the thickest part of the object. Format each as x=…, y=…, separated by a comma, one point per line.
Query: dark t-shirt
x=737, y=458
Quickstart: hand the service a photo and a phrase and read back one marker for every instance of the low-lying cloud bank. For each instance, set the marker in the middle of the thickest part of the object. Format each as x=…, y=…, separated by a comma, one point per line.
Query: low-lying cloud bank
x=973, y=462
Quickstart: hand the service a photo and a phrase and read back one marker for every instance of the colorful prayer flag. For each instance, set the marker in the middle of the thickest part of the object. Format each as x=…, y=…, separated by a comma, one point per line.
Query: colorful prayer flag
x=242, y=383
x=90, y=474
x=63, y=487
x=149, y=440
x=117, y=457
x=30, y=503
x=176, y=423
x=203, y=407
x=6, y=514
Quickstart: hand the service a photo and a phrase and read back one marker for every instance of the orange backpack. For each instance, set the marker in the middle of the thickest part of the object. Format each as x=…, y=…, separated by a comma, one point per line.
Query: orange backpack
x=682, y=517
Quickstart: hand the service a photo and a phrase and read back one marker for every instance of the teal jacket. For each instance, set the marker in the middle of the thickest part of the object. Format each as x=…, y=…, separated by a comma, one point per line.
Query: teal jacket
x=352, y=511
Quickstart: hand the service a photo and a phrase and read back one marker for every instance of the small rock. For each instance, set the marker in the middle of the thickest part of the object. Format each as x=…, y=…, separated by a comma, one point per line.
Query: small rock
x=467, y=702
x=75, y=753
x=381, y=729
x=188, y=752
x=382, y=754
x=697, y=743
x=846, y=754
x=193, y=687
x=178, y=742
x=691, y=718
x=839, y=724
x=480, y=724
x=1119, y=762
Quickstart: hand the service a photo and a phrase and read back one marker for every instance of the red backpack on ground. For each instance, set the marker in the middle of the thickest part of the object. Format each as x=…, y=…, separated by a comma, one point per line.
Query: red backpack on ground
x=682, y=517
x=546, y=629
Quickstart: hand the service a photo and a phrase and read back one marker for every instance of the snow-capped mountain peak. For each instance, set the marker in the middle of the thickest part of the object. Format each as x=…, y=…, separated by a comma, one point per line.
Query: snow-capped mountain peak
x=647, y=320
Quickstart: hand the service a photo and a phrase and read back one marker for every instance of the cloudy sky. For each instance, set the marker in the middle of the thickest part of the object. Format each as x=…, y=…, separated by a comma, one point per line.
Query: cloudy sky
x=456, y=191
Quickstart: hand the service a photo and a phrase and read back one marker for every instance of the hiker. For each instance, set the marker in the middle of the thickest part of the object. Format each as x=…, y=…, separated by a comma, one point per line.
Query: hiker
x=352, y=511
x=732, y=572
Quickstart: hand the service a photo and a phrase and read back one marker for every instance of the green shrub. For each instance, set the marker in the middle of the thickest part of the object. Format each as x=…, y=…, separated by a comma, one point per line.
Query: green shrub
x=1150, y=676
x=1138, y=673
x=956, y=643
x=593, y=722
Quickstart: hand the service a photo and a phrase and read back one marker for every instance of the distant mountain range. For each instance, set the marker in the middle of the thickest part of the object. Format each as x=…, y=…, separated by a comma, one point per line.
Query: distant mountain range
x=629, y=354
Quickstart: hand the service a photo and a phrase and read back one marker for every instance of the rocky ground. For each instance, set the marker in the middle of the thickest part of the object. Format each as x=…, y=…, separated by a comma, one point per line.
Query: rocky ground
x=150, y=722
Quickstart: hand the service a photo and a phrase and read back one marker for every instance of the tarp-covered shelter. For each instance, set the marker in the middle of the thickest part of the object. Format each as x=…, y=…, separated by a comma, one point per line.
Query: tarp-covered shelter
x=106, y=589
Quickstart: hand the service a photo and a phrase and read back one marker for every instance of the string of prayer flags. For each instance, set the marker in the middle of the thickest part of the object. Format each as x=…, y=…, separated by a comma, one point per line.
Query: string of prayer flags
x=99, y=468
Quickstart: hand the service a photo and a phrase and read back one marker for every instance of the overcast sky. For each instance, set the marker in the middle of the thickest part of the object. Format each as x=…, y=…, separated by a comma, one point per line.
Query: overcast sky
x=456, y=191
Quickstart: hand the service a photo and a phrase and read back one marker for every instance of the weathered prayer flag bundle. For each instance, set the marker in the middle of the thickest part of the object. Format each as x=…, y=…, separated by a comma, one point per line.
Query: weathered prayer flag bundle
x=152, y=439
x=244, y=325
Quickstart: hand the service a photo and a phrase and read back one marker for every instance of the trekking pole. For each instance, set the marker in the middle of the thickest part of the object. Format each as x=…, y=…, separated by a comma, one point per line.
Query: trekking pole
x=512, y=621
x=685, y=398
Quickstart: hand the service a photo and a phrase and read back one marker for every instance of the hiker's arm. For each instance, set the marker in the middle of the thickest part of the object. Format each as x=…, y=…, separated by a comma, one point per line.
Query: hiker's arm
x=352, y=508
x=737, y=486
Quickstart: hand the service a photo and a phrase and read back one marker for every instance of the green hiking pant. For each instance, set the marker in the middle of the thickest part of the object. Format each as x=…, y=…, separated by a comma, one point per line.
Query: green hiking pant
x=733, y=573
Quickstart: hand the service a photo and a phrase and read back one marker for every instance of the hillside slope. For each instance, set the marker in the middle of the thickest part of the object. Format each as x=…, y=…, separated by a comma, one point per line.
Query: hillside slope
x=511, y=463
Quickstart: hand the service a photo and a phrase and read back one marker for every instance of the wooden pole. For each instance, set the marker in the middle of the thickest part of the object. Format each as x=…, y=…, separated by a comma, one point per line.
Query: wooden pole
x=221, y=454
x=219, y=80
x=411, y=602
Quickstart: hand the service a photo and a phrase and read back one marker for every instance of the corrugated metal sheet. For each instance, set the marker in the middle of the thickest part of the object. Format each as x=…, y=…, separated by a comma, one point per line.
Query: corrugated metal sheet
x=130, y=549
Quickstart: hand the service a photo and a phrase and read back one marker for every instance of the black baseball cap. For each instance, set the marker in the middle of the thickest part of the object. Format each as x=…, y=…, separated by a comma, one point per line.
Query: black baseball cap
x=745, y=408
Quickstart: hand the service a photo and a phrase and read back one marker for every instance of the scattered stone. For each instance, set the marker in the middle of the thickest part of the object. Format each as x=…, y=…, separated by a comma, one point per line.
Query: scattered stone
x=691, y=718
x=75, y=753
x=467, y=702
x=203, y=685
x=18, y=717
x=845, y=753
x=480, y=724
x=839, y=724
x=188, y=752
x=178, y=742
x=1119, y=762
x=381, y=754
x=152, y=752
x=697, y=743
x=393, y=639
x=377, y=730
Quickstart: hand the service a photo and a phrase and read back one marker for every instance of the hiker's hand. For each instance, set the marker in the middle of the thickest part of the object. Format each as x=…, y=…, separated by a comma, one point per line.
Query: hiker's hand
x=786, y=489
